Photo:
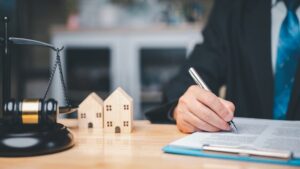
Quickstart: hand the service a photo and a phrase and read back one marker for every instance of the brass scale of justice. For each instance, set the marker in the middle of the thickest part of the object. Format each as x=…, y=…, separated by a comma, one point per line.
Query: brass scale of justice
x=29, y=127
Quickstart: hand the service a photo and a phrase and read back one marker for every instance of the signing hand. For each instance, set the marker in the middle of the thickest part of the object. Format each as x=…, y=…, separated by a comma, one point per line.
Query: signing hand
x=201, y=110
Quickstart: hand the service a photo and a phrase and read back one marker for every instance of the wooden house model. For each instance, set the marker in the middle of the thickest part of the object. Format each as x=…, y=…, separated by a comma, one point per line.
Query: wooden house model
x=90, y=112
x=118, y=112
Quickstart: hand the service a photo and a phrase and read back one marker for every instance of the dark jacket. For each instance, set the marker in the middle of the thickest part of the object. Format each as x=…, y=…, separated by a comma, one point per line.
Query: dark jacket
x=237, y=53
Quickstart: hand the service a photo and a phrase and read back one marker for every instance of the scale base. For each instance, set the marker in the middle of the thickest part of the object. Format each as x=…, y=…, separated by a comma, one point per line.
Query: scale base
x=32, y=140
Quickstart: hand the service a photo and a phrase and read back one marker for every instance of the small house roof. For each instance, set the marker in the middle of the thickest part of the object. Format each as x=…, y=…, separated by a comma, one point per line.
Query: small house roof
x=119, y=91
x=94, y=97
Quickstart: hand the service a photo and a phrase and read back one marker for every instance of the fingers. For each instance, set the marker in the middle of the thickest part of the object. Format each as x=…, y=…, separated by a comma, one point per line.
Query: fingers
x=230, y=106
x=186, y=127
x=201, y=125
x=200, y=110
x=207, y=115
x=189, y=123
x=212, y=102
x=182, y=121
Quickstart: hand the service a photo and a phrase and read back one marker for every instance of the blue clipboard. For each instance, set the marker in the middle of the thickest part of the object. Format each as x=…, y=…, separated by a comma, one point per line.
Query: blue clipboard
x=194, y=152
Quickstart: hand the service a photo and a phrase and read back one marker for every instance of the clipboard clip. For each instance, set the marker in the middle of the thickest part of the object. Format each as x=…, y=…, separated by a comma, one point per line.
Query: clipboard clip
x=283, y=155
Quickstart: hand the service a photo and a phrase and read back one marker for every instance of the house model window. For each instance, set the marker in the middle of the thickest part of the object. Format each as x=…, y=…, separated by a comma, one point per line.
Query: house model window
x=82, y=115
x=126, y=107
x=109, y=124
x=108, y=108
x=98, y=115
x=125, y=123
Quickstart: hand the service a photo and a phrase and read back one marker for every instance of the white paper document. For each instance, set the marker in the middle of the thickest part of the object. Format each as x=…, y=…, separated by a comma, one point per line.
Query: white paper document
x=256, y=134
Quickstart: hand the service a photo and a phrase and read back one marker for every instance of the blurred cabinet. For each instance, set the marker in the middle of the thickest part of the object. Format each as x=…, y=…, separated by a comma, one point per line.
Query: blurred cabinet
x=157, y=67
x=87, y=69
x=138, y=60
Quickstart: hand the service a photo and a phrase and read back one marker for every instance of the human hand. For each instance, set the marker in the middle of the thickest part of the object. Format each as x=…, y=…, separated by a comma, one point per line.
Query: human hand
x=201, y=110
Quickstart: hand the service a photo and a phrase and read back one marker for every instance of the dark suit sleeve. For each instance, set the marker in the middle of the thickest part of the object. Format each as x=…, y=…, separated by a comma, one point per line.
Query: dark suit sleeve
x=209, y=59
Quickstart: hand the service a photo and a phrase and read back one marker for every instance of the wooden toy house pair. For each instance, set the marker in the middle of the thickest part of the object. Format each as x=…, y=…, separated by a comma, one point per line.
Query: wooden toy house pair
x=114, y=114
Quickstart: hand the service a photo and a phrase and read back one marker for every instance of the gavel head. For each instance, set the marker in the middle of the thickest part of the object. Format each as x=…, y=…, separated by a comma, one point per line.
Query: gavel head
x=30, y=112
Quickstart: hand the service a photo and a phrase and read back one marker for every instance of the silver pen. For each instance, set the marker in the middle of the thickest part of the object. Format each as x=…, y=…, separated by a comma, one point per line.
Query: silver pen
x=202, y=84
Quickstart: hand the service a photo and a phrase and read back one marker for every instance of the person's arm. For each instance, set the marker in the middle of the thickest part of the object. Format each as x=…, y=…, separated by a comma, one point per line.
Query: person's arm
x=197, y=109
x=194, y=108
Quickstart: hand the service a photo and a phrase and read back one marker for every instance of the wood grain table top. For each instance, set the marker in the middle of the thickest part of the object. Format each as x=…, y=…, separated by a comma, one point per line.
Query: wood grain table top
x=140, y=149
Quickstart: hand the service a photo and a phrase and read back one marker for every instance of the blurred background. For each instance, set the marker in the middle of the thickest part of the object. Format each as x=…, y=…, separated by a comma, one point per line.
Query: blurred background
x=136, y=44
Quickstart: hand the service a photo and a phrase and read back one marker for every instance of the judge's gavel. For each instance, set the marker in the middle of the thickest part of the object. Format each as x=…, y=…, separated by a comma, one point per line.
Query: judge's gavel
x=33, y=112
x=30, y=112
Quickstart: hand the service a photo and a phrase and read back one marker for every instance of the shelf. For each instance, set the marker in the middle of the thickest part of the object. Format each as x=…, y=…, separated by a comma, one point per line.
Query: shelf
x=139, y=61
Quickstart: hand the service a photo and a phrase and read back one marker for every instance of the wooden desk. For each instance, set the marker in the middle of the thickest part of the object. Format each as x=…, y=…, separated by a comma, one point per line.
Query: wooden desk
x=141, y=149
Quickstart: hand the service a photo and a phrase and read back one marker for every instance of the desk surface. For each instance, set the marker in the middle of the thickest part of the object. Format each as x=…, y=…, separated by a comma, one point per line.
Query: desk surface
x=141, y=149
